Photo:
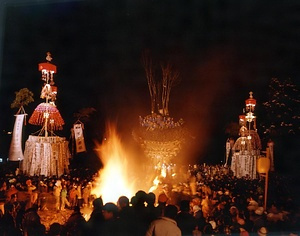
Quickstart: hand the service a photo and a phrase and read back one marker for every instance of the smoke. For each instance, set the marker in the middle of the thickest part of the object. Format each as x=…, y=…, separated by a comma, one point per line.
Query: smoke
x=204, y=99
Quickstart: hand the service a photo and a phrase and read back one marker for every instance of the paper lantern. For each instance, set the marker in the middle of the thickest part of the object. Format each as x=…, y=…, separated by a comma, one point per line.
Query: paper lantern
x=48, y=67
x=263, y=165
x=250, y=102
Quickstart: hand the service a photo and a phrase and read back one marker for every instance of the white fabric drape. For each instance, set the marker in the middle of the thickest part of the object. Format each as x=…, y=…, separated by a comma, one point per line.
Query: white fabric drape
x=46, y=156
x=15, y=150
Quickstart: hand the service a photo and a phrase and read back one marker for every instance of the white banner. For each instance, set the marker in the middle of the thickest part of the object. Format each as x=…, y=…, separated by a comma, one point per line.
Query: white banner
x=79, y=138
x=15, y=151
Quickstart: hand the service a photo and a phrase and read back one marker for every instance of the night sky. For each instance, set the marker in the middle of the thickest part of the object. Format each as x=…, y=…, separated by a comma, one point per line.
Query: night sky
x=222, y=49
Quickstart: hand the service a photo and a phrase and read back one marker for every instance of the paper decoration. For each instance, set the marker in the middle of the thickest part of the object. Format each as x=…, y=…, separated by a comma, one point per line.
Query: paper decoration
x=79, y=138
x=15, y=150
x=48, y=156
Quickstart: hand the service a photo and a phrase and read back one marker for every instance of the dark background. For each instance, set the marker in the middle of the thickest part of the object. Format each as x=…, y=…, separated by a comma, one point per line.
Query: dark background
x=222, y=49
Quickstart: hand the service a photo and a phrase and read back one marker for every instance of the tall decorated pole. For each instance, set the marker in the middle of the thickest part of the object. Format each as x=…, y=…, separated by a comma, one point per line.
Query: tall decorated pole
x=46, y=114
x=46, y=153
x=247, y=147
x=160, y=135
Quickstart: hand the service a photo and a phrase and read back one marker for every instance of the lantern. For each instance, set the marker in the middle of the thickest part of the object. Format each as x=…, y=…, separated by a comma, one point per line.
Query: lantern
x=47, y=70
x=250, y=102
x=263, y=165
x=47, y=67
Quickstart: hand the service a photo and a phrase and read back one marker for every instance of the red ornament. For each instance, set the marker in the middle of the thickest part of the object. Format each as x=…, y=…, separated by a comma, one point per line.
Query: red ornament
x=47, y=67
x=39, y=115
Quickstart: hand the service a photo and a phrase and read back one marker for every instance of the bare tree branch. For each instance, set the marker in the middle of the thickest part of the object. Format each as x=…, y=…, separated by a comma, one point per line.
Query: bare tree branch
x=150, y=75
x=169, y=79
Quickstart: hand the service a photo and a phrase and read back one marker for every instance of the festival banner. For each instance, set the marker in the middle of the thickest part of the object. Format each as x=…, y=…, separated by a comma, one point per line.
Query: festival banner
x=15, y=151
x=79, y=138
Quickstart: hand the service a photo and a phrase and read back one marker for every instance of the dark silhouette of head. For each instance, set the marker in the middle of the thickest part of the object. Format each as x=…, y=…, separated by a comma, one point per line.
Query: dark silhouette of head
x=171, y=211
x=123, y=201
x=185, y=206
x=98, y=203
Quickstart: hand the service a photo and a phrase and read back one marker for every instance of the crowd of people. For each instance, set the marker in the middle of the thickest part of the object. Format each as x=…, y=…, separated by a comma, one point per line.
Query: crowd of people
x=217, y=203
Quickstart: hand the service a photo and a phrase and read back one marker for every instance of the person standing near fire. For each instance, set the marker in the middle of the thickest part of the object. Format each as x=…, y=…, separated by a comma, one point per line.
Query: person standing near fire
x=73, y=195
x=86, y=192
x=31, y=193
x=63, y=198
x=56, y=192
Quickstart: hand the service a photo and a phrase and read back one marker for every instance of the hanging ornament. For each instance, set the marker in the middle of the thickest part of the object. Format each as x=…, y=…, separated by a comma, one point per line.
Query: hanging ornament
x=47, y=111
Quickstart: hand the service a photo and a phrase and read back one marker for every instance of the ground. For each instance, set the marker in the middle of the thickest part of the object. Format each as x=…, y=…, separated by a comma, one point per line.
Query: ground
x=51, y=215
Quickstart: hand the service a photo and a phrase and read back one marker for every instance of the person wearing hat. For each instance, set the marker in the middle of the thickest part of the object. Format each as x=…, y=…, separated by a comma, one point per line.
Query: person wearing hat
x=110, y=224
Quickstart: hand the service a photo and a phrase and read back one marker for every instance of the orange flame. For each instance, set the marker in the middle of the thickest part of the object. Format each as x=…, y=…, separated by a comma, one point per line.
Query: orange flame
x=114, y=179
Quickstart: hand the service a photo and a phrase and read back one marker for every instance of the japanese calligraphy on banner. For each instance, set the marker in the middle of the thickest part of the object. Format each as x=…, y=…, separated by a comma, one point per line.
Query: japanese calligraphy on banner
x=15, y=151
x=79, y=138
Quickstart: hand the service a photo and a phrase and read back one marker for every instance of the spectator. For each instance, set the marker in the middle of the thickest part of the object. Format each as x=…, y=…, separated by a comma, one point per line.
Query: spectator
x=42, y=201
x=185, y=220
x=151, y=211
x=11, y=191
x=96, y=220
x=76, y=224
x=262, y=231
x=63, y=198
x=206, y=205
x=56, y=192
x=31, y=221
x=55, y=229
x=110, y=225
x=79, y=197
x=31, y=192
x=258, y=218
x=86, y=192
x=8, y=222
x=165, y=225
x=73, y=195
x=127, y=222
